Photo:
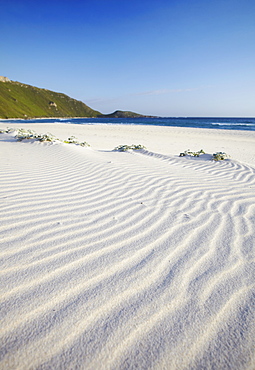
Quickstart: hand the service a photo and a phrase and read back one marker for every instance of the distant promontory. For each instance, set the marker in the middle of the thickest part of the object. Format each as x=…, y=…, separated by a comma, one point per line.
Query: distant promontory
x=123, y=114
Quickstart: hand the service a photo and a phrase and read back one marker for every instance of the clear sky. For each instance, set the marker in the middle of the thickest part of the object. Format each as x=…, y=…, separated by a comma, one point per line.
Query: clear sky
x=155, y=57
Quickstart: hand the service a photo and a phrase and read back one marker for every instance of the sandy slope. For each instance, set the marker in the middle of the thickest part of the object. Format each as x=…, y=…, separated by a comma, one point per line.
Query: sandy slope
x=127, y=260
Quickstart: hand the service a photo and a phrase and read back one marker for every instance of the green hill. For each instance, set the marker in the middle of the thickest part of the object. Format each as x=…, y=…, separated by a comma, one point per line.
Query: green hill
x=18, y=100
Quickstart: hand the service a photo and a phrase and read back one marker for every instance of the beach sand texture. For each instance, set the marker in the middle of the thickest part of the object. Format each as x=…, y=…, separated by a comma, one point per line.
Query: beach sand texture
x=134, y=260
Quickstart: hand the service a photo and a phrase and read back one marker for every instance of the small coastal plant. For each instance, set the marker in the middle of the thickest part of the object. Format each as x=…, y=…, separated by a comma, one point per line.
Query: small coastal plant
x=124, y=148
x=71, y=140
x=220, y=156
x=7, y=130
x=74, y=140
x=46, y=137
x=27, y=134
x=192, y=154
x=22, y=134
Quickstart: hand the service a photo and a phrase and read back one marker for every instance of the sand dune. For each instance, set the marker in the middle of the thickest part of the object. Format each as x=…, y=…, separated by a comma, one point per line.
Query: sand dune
x=127, y=260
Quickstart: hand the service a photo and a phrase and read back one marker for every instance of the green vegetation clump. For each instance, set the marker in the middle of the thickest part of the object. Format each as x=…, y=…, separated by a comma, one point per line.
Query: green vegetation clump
x=27, y=134
x=192, y=154
x=23, y=134
x=220, y=156
x=124, y=148
x=7, y=130
x=19, y=100
x=74, y=140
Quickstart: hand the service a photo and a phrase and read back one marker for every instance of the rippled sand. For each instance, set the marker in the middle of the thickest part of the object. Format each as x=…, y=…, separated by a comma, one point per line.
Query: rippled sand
x=128, y=260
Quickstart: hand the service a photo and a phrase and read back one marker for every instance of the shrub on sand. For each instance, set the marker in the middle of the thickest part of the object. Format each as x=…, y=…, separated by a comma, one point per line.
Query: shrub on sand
x=23, y=134
x=192, y=154
x=27, y=134
x=124, y=148
x=7, y=130
x=74, y=140
x=220, y=156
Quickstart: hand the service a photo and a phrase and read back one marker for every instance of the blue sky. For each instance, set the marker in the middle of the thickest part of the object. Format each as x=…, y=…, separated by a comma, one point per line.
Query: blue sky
x=166, y=58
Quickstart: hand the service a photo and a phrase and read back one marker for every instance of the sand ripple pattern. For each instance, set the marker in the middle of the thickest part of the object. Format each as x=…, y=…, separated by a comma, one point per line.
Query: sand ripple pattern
x=125, y=260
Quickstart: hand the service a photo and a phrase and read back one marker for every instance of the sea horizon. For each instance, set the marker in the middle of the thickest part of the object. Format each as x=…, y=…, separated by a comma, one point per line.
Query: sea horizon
x=222, y=123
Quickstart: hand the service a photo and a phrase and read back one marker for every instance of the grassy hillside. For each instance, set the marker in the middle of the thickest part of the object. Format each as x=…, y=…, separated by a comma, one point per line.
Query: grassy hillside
x=18, y=100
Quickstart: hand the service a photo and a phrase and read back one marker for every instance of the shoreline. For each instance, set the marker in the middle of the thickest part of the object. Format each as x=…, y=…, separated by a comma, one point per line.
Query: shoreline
x=156, y=122
x=167, y=140
x=142, y=116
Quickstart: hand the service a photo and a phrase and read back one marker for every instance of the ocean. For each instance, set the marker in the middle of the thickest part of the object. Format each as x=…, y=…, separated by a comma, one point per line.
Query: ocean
x=247, y=124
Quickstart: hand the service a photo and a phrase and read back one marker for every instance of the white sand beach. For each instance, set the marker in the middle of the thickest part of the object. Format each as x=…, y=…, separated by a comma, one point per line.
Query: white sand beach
x=127, y=260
